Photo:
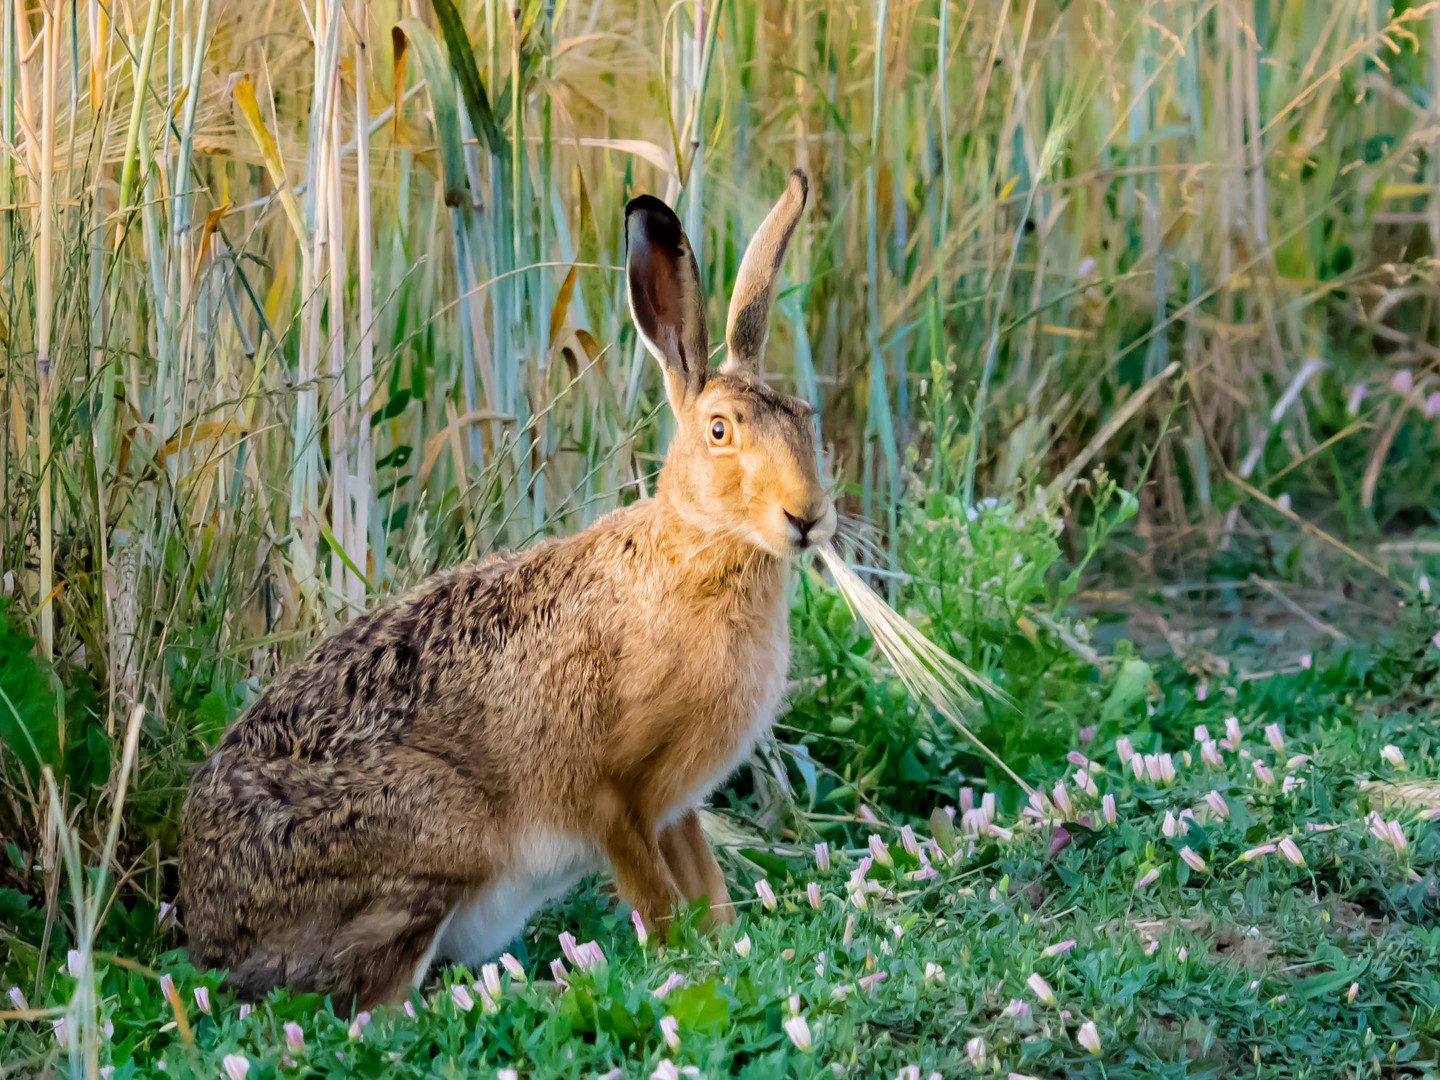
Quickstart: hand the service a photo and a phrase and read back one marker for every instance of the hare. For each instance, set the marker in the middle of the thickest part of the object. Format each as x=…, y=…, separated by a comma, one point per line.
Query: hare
x=424, y=779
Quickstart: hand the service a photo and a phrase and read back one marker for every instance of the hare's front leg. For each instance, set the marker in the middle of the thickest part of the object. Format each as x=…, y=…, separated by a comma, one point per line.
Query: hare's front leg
x=693, y=865
x=635, y=857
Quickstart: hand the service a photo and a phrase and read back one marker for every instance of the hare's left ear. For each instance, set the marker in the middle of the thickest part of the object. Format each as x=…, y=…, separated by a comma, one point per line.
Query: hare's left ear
x=662, y=287
x=749, y=323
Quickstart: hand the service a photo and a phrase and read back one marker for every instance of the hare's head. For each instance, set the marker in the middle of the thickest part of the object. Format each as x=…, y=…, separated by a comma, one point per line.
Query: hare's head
x=742, y=460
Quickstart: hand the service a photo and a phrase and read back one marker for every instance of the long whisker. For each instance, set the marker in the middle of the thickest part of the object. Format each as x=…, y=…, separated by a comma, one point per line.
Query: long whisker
x=928, y=672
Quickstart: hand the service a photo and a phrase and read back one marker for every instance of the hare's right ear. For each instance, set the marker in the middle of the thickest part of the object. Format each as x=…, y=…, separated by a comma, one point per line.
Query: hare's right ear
x=662, y=286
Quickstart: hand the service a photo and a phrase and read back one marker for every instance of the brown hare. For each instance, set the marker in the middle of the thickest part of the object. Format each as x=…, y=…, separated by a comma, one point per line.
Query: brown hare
x=427, y=777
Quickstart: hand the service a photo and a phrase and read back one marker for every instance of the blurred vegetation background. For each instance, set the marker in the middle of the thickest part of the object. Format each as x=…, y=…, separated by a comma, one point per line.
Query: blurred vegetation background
x=301, y=302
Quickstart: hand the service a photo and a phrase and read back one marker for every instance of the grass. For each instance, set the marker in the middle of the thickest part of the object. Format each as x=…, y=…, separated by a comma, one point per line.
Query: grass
x=1252, y=965
x=1186, y=930
x=1120, y=319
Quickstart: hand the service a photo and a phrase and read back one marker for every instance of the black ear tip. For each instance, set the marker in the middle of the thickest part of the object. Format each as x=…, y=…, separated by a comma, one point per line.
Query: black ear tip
x=655, y=220
x=799, y=175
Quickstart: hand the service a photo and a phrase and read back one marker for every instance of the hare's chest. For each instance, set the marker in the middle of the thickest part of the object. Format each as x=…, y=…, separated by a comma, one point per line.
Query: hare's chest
x=745, y=697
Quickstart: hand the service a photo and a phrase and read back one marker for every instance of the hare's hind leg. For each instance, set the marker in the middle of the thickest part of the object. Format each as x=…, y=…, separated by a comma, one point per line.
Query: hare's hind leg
x=387, y=947
x=693, y=866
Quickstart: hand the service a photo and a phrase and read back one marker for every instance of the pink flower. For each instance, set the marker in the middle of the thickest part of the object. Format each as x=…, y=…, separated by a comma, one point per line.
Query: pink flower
x=167, y=988
x=879, y=851
x=1393, y=754
x=202, y=998
x=1202, y=733
x=967, y=796
x=409, y=1008
x=670, y=1032
x=665, y=1070
x=812, y=894
x=868, y=982
x=1017, y=1009
x=1192, y=860
x=908, y=841
x=1210, y=754
x=1059, y=948
x=357, y=1026
x=461, y=997
x=672, y=982
x=236, y=1066
x=1263, y=772
x=1350, y=994
x=1040, y=988
x=1216, y=802
x=513, y=967
x=490, y=979
x=1402, y=381
x=295, y=1037
x=1087, y=733
x=1291, y=852
x=1169, y=826
x=567, y=946
x=1275, y=738
x=1432, y=405
x=1107, y=809
x=1202, y=691
x=1354, y=397
x=1124, y=749
x=1255, y=852
x=1089, y=1037
x=1232, y=730
x=558, y=972
x=17, y=998
x=766, y=894
x=1397, y=836
x=867, y=815
x=822, y=857
x=641, y=935
x=589, y=956
x=799, y=1032
x=1061, y=798
x=975, y=1051
x=1079, y=760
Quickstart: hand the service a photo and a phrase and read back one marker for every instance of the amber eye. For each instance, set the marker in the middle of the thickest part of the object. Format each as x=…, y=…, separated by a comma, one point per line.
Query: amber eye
x=719, y=431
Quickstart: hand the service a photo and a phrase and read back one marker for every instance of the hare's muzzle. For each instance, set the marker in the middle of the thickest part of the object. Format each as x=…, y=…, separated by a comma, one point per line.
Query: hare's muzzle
x=814, y=525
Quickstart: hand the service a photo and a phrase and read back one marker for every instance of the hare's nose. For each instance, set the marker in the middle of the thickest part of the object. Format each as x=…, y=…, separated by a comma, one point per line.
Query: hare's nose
x=802, y=526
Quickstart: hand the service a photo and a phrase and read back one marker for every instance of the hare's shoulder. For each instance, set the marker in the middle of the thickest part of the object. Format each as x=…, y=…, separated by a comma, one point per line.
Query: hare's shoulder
x=354, y=691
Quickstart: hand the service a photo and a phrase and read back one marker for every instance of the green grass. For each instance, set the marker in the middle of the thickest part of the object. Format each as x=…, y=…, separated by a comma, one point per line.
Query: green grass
x=1246, y=968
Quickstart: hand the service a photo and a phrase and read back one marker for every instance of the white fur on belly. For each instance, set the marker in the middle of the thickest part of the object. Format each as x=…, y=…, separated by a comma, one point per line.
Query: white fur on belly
x=544, y=865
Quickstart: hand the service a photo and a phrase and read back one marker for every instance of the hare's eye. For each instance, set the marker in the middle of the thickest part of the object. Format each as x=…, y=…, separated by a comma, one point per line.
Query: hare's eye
x=719, y=431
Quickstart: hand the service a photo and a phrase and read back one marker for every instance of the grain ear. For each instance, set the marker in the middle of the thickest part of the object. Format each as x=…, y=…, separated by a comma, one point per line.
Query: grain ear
x=749, y=322
x=662, y=287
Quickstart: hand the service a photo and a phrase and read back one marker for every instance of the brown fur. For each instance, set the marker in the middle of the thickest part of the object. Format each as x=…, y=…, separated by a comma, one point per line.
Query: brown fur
x=592, y=687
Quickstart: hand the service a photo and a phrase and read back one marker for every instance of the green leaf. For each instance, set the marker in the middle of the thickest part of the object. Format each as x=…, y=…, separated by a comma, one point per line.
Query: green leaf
x=29, y=717
x=472, y=89
x=1130, y=686
x=702, y=1006
x=441, y=88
